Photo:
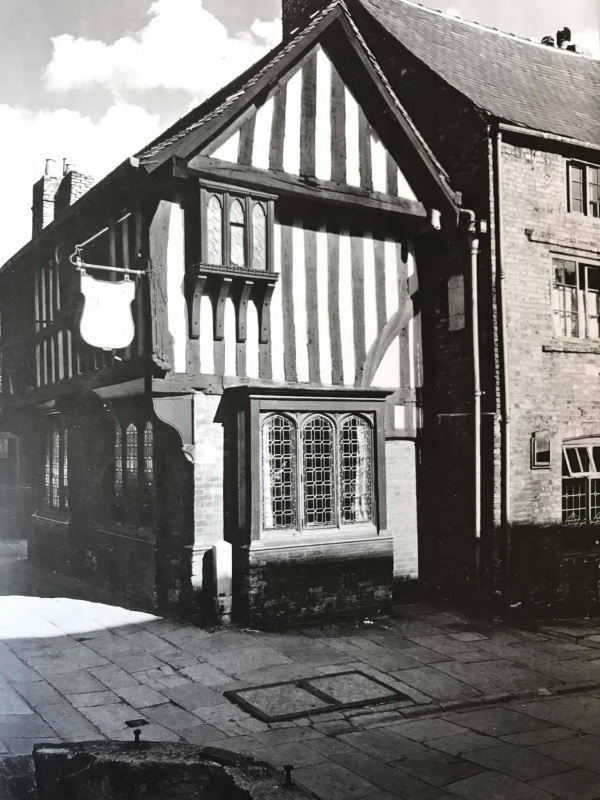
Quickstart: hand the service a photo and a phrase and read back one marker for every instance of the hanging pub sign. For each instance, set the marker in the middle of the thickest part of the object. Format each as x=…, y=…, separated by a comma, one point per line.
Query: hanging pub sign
x=106, y=320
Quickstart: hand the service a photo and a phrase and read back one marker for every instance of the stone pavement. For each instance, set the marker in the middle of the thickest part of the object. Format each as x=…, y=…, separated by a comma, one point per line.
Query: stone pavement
x=493, y=710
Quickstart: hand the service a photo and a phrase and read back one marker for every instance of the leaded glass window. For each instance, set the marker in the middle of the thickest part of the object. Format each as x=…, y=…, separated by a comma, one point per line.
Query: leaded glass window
x=584, y=189
x=316, y=471
x=259, y=238
x=576, y=299
x=278, y=474
x=581, y=483
x=148, y=456
x=355, y=471
x=214, y=232
x=118, y=461
x=56, y=474
x=131, y=457
x=577, y=188
x=237, y=226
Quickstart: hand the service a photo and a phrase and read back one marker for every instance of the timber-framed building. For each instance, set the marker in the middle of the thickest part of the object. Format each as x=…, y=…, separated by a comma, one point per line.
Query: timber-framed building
x=364, y=284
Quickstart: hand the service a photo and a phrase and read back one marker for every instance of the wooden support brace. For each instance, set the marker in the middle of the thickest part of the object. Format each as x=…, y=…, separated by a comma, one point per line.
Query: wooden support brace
x=196, y=302
x=243, y=297
x=219, y=311
x=264, y=313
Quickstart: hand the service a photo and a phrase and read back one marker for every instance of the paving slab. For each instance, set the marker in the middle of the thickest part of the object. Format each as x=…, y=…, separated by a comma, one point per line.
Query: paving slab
x=497, y=676
x=386, y=777
x=580, y=712
x=334, y=782
x=577, y=784
x=495, y=786
x=77, y=682
x=497, y=721
x=92, y=699
x=542, y=736
x=383, y=744
x=463, y=743
x=581, y=751
x=436, y=684
x=139, y=696
x=437, y=769
x=12, y=703
x=518, y=762
x=425, y=730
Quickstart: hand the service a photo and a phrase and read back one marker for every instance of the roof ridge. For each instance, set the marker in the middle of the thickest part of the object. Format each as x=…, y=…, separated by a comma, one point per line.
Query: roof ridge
x=487, y=28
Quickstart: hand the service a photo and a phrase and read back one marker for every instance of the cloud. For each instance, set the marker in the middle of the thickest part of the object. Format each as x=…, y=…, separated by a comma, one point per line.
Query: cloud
x=183, y=47
x=590, y=40
x=31, y=137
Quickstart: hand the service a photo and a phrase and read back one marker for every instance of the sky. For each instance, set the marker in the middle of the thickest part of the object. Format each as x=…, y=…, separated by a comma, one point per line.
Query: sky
x=95, y=81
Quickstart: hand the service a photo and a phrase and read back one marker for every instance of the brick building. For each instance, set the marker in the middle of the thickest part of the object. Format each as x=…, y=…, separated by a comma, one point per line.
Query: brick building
x=362, y=332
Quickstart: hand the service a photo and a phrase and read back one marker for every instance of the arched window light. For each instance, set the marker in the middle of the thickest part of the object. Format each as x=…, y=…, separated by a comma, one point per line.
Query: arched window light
x=118, y=461
x=355, y=471
x=278, y=473
x=319, y=485
x=259, y=237
x=237, y=227
x=214, y=247
x=148, y=456
x=131, y=457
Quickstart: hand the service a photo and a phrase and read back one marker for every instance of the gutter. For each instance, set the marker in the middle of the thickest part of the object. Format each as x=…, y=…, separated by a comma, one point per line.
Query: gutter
x=550, y=137
x=473, y=239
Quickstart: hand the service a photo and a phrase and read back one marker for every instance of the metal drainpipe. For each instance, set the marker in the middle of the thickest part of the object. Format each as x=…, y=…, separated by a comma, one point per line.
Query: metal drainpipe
x=474, y=253
x=504, y=386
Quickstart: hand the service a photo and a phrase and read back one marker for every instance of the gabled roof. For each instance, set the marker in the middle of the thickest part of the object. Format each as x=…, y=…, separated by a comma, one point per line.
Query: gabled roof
x=200, y=125
x=513, y=79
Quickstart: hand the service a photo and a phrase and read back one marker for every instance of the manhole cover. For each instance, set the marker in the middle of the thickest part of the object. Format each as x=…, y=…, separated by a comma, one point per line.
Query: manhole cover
x=278, y=702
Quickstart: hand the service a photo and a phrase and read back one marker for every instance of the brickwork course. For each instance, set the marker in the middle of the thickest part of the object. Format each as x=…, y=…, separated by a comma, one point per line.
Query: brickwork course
x=492, y=709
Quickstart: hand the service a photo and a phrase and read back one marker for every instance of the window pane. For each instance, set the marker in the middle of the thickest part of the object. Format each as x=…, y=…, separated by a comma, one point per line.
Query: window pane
x=148, y=456
x=65, y=470
x=596, y=455
x=564, y=298
x=278, y=474
x=55, y=475
x=237, y=228
x=131, y=457
x=47, y=473
x=259, y=238
x=573, y=460
x=214, y=247
x=574, y=501
x=593, y=174
x=319, y=490
x=118, y=461
x=584, y=459
x=576, y=188
x=355, y=471
x=594, y=501
x=592, y=301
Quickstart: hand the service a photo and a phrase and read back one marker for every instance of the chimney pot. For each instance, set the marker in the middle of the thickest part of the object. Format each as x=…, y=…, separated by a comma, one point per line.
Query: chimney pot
x=548, y=40
x=50, y=167
x=563, y=38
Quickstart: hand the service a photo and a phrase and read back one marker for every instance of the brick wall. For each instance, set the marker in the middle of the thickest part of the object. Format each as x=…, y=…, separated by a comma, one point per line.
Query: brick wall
x=402, y=507
x=555, y=391
x=44, y=192
x=208, y=481
x=296, y=13
x=72, y=187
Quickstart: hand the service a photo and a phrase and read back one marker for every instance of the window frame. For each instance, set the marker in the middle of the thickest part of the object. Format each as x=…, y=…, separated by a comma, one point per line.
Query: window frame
x=586, y=476
x=136, y=502
x=56, y=468
x=586, y=183
x=227, y=195
x=582, y=313
x=299, y=422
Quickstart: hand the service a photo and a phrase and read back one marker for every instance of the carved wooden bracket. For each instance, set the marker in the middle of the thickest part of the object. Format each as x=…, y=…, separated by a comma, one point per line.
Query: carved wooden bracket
x=264, y=313
x=219, y=311
x=195, y=304
x=241, y=304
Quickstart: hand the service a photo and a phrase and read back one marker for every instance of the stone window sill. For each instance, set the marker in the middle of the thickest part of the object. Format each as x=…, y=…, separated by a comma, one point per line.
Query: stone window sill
x=572, y=346
x=281, y=540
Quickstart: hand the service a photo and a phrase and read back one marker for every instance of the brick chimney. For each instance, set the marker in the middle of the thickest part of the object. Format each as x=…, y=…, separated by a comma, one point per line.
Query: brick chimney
x=44, y=192
x=72, y=186
x=296, y=14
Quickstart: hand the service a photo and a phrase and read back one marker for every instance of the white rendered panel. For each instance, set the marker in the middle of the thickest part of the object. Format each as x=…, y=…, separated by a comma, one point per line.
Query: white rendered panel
x=229, y=328
x=404, y=189
x=323, y=308
x=352, y=141
x=392, y=300
x=229, y=150
x=370, y=292
x=262, y=135
x=378, y=164
x=293, y=121
x=299, y=293
x=277, y=314
x=207, y=352
x=252, y=346
x=323, y=138
x=388, y=372
x=347, y=311
x=176, y=305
